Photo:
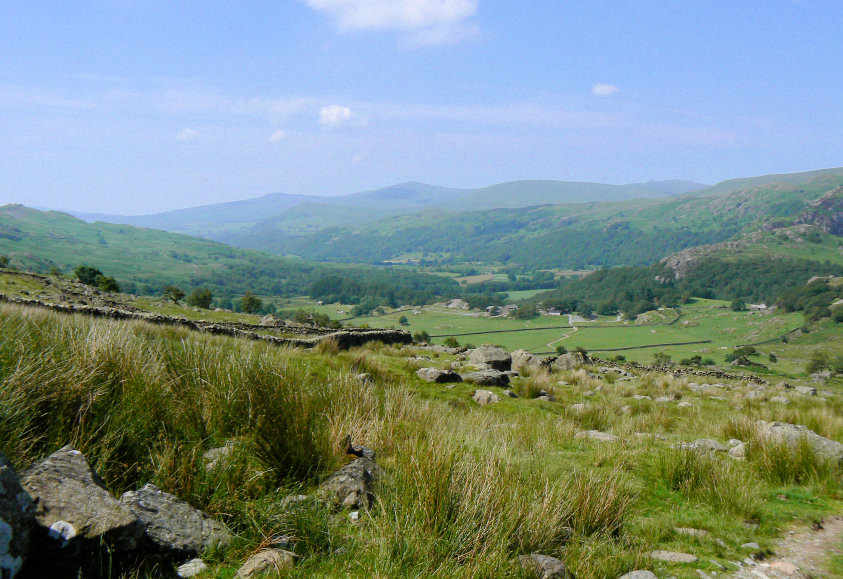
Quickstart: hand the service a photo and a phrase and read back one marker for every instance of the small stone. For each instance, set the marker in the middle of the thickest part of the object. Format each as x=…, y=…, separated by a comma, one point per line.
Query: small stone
x=641, y=397
x=640, y=574
x=510, y=393
x=578, y=408
x=673, y=557
x=807, y=390
x=753, y=546
x=191, y=568
x=738, y=452
x=272, y=560
x=684, y=404
x=588, y=394
x=484, y=397
x=779, y=400
x=664, y=399
x=785, y=567
x=597, y=435
x=545, y=567
x=697, y=533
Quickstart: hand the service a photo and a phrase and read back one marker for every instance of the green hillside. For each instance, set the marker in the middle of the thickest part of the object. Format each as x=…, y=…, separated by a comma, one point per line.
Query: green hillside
x=145, y=260
x=558, y=236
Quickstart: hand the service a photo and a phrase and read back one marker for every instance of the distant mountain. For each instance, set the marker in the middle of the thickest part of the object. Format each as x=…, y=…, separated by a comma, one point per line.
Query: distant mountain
x=223, y=221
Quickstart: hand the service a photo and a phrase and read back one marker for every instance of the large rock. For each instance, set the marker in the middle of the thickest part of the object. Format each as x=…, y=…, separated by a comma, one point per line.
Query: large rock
x=17, y=515
x=487, y=378
x=172, y=525
x=76, y=517
x=353, y=485
x=545, y=566
x=570, y=361
x=438, y=376
x=597, y=435
x=484, y=397
x=495, y=358
x=795, y=433
x=673, y=557
x=525, y=359
x=269, y=561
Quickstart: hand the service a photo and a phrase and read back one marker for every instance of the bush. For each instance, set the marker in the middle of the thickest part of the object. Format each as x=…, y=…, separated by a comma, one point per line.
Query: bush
x=200, y=298
x=560, y=349
x=817, y=363
x=421, y=336
x=173, y=293
x=738, y=305
x=108, y=284
x=87, y=274
x=451, y=342
x=4, y=261
x=403, y=320
x=661, y=359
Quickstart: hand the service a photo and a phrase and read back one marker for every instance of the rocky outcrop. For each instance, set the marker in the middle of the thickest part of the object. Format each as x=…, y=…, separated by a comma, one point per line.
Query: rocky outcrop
x=172, y=526
x=570, y=361
x=353, y=485
x=491, y=357
x=826, y=212
x=17, y=516
x=438, y=376
x=76, y=517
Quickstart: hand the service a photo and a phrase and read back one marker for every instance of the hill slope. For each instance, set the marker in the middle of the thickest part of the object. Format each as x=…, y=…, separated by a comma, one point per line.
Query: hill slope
x=144, y=260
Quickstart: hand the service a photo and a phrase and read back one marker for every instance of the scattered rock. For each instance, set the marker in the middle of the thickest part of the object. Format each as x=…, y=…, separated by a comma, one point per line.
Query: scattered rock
x=191, y=568
x=364, y=378
x=697, y=533
x=794, y=433
x=215, y=457
x=484, y=397
x=17, y=516
x=578, y=408
x=685, y=404
x=807, y=390
x=510, y=393
x=640, y=574
x=664, y=399
x=267, y=560
x=752, y=546
x=525, y=359
x=76, y=516
x=641, y=397
x=704, y=445
x=570, y=361
x=438, y=376
x=357, y=450
x=779, y=400
x=738, y=452
x=597, y=435
x=546, y=398
x=673, y=557
x=172, y=525
x=545, y=567
x=487, y=378
x=353, y=485
x=491, y=357
x=588, y=394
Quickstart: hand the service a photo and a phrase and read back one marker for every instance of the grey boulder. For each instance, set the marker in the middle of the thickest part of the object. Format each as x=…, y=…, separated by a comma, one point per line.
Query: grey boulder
x=271, y=561
x=72, y=502
x=484, y=397
x=17, y=515
x=525, y=359
x=171, y=525
x=545, y=566
x=793, y=434
x=438, y=376
x=353, y=485
x=639, y=574
x=487, y=378
x=495, y=358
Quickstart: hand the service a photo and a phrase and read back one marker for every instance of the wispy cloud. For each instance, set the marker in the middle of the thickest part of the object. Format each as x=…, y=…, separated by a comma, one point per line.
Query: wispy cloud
x=278, y=136
x=427, y=22
x=187, y=134
x=604, y=90
x=334, y=116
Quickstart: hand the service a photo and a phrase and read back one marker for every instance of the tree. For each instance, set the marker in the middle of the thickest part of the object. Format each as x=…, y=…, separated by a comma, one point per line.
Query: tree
x=172, y=293
x=107, y=284
x=421, y=336
x=451, y=342
x=737, y=305
x=4, y=261
x=560, y=349
x=200, y=298
x=817, y=363
x=250, y=304
x=87, y=274
x=403, y=320
x=661, y=359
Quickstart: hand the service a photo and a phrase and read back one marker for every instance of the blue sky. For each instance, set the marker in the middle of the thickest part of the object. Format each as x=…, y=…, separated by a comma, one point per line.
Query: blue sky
x=137, y=106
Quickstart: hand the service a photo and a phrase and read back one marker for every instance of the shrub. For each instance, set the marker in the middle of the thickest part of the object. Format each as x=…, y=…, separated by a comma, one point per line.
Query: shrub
x=4, y=261
x=108, y=284
x=403, y=320
x=560, y=349
x=250, y=304
x=421, y=336
x=87, y=274
x=200, y=298
x=661, y=359
x=451, y=342
x=172, y=293
x=817, y=363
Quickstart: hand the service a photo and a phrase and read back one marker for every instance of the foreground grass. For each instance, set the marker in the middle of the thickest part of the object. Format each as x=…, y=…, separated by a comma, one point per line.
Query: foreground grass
x=466, y=489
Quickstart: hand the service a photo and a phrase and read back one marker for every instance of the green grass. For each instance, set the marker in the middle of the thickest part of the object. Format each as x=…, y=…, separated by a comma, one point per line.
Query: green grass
x=466, y=489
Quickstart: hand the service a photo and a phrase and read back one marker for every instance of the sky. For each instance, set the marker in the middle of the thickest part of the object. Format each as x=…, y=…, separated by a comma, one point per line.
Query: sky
x=141, y=106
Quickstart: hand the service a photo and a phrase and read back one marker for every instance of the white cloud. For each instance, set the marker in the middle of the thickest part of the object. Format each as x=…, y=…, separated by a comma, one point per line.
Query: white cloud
x=604, y=90
x=278, y=136
x=187, y=134
x=429, y=21
x=335, y=115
